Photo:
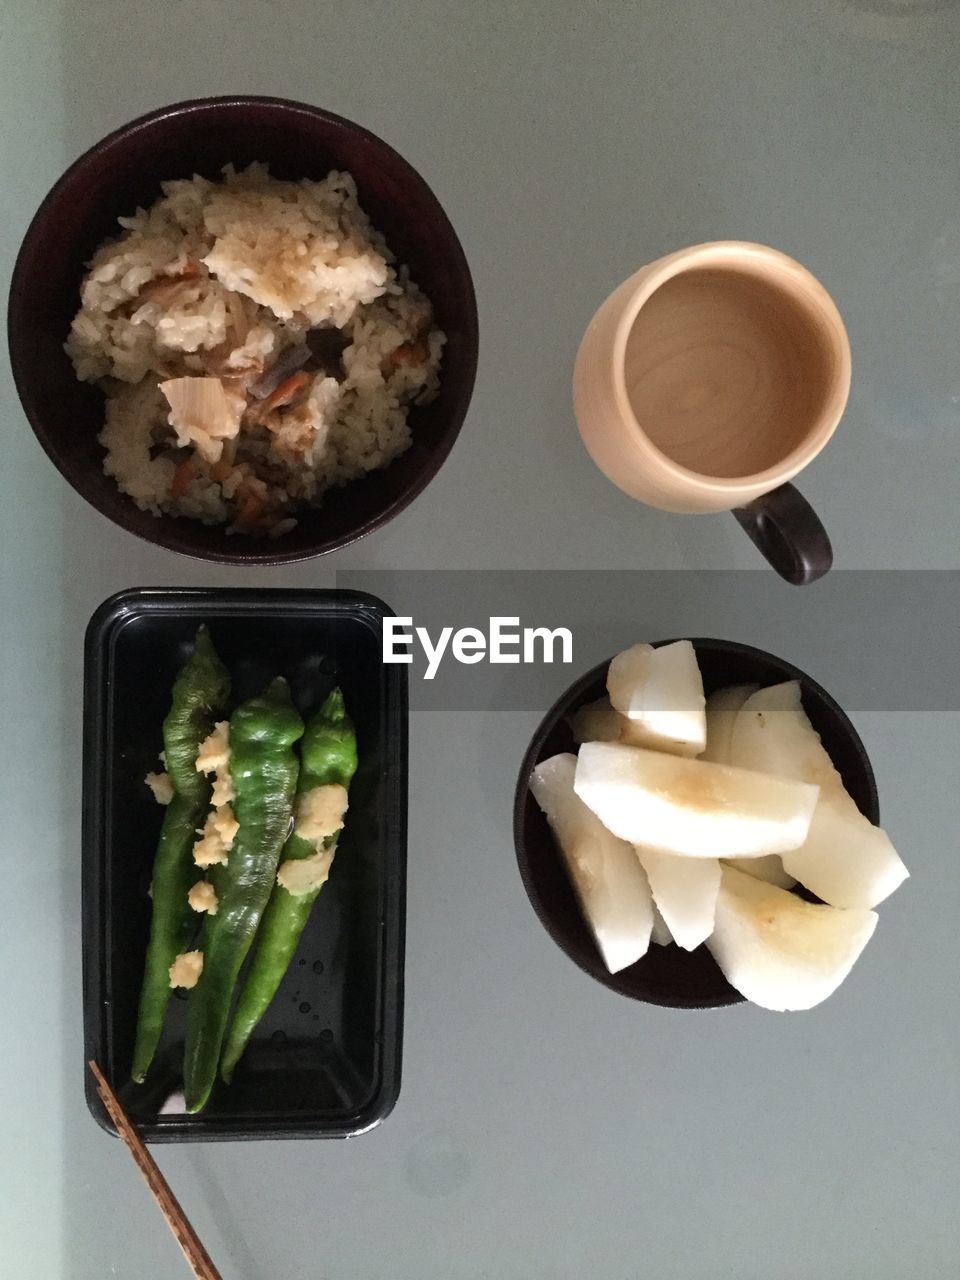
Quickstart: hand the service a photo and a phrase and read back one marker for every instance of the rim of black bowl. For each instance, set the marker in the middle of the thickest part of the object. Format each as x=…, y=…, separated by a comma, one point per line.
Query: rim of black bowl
x=166, y=533
x=635, y=981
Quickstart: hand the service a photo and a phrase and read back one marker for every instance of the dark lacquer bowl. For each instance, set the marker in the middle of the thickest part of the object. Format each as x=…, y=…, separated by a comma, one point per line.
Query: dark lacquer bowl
x=665, y=975
x=125, y=171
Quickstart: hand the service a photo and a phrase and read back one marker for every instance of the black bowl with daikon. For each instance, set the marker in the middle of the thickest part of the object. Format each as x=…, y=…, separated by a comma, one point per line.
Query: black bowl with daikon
x=696, y=824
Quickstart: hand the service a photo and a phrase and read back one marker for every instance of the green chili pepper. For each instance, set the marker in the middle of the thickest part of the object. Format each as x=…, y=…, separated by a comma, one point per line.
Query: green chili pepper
x=199, y=695
x=328, y=755
x=264, y=771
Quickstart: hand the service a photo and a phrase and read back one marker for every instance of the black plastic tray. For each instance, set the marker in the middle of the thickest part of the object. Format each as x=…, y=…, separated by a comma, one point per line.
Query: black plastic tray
x=325, y=1060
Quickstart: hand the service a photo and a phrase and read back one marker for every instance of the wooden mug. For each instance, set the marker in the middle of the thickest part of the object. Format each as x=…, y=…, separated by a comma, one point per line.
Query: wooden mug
x=708, y=380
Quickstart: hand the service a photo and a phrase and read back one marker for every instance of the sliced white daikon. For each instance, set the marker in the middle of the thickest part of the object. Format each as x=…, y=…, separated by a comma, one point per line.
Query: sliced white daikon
x=722, y=709
x=768, y=868
x=660, y=691
x=685, y=892
x=660, y=934
x=721, y=714
x=773, y=735
x=600, y=722
x=779, y=951
x=608, y=879
x=689, y=807
x=845, y=860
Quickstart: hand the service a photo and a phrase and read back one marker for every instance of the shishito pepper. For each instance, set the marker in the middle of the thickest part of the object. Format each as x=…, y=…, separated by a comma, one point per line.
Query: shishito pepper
x=199, y=694
x=264, y=771
x=328, y=759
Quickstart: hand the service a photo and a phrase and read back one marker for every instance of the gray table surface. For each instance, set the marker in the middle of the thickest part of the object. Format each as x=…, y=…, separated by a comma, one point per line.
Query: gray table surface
x=546, y=1128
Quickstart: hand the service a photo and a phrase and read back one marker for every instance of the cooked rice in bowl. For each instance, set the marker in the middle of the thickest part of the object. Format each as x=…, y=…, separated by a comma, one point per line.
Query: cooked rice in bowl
x=256, y=344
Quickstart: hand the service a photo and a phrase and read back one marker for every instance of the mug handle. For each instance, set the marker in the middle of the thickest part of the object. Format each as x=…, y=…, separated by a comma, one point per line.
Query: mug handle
x=789, y=533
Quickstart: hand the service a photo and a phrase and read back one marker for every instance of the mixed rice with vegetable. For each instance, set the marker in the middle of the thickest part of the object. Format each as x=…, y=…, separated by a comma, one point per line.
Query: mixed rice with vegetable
x=256, y=344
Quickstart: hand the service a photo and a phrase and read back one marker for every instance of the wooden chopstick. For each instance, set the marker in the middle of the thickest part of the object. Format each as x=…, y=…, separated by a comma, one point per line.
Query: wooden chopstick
x=169, y=1206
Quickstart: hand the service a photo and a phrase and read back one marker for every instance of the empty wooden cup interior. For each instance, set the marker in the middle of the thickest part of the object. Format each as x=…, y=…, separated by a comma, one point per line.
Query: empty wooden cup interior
x=708, y=380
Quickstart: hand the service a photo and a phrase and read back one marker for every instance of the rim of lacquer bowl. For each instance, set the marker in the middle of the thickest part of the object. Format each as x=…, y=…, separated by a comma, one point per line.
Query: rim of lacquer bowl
x=630, y=982
x=177, y=533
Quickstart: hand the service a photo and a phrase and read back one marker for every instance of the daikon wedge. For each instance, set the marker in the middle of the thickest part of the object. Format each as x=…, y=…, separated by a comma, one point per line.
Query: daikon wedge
x=722, y=710
x=660, y=933
x=779, y=951
x=660, y=691
x=772, y=734
x=768, y=868
x=608, y=879
x=721, y=714
x=845, y=860
x=691, y=808
x=685, y=893
x=599, y=722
